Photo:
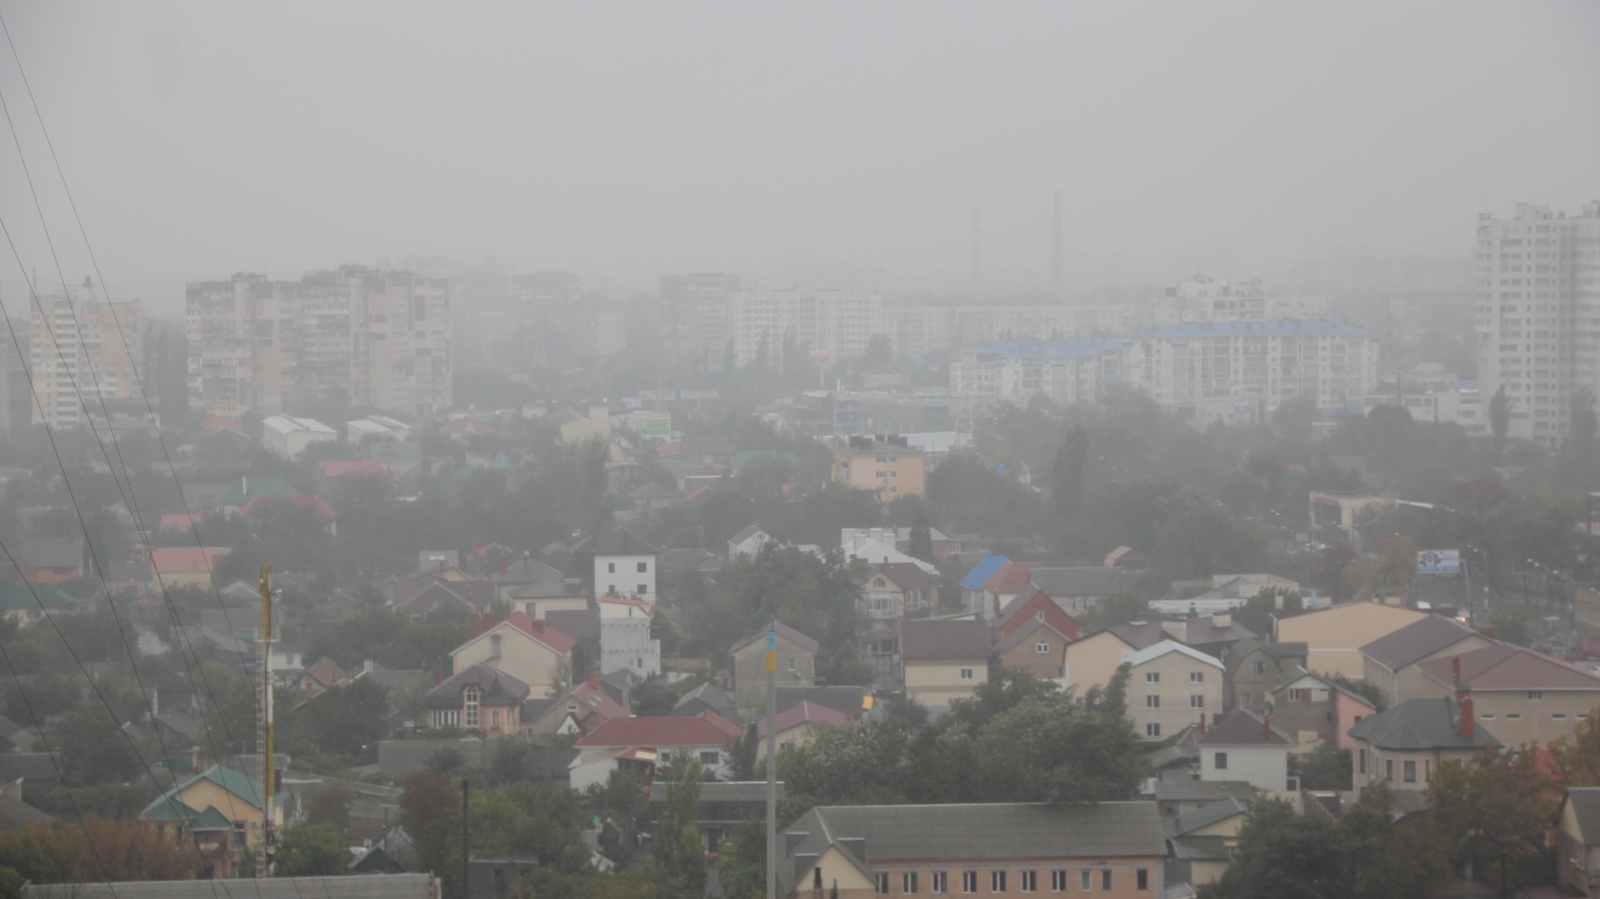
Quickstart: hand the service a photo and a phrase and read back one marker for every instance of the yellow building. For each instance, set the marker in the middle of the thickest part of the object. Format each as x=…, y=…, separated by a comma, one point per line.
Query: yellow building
x=218, y=809
x=890, y=468
x=1334, y=636
x=943, y=660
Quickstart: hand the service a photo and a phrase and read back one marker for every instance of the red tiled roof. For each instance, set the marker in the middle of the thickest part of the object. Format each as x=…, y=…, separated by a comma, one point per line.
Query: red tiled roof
x=1011, y=578
x=171, y=560
x=542, y=632
x=807, y=712
x=624, y=601
x=1503, y=667
x=721, y=723
x=325, y=672
x=213, y=421
x=661, y=731
x=323, y=510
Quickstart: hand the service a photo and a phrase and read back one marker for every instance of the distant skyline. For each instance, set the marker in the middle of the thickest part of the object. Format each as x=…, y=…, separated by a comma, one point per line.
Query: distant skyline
x=629, y=140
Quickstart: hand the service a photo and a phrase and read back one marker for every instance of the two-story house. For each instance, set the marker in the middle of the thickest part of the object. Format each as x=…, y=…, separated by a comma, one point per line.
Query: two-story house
x=1256, y=670
x=898, y=590
x=480, y=700
x=1172, y=687
x=531, y=651
x=620, y=563
x=943, y=660
x=1033, y=604
x=646, y=747
x=1334, y=636
x=798, y=726
x=220, y=810
x=1248, y=747
x=1526, y=697
x=1390, y=662
x=797, y=665
x=1037, y=648
x=1406, y=744
x=1314, y=709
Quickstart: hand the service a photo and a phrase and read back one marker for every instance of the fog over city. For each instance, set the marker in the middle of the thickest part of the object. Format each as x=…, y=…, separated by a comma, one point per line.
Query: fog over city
x=623, y=140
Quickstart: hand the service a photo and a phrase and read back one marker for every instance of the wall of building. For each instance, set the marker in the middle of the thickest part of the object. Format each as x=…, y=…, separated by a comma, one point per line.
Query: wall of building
x=620, y=576
x=934, y=682
x=520, y=656
x=1265, y=767
x=1174, y=692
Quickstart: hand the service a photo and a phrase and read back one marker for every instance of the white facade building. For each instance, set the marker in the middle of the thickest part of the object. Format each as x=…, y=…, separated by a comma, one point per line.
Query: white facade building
x=1538, y=314
x=1065, y=370
x=378, y=426
x=836, y=321
x=77, y=354
x=625, y=642
x=288, y=436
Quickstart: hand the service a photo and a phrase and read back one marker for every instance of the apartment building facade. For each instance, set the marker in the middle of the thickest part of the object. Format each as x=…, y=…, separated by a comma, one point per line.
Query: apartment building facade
x=378, y=338
x=82, y=350
x=1538, y=314
x=694, y=309
x=837, y=322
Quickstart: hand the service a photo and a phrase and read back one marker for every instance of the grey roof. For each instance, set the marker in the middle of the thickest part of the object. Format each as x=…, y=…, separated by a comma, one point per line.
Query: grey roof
x=498, y=688
x=1081, y=581
x=1585, y=802
x=528, y=571
x=52, y=552
x=746, y=532
x=1204, y=816
x=976, y=832
x=1419, y=724
x=782, y=630
x=1209, y=849
x=1416, y=641
x=675, y=560
x=1139, y=635
x=1026, y=632
x=352, y=886
x=1203, y=631
x=1203, y=790
x=579, y=624
x=1244, y=728
x=723, y=791
x=711, y=697
x=620, y=542
x=924, y=638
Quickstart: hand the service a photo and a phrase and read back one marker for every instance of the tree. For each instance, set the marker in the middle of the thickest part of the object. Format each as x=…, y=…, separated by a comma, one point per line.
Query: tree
x=1584, y=421
x=678, y=865
x=1066, y=475
x=1498, y=806
x=312, y=850
x=1330, y=572
x=329, y=805
x=430, y=811
x=921, y=543
x=742, y=862
x=1325, y=767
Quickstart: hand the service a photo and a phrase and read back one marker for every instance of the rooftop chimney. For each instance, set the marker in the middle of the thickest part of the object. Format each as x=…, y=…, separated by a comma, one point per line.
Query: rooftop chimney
x=1266, y=727
x=1202, y=722
x=474, y=624
x=1469, y=725
x=1222, y=620
x=594, y=677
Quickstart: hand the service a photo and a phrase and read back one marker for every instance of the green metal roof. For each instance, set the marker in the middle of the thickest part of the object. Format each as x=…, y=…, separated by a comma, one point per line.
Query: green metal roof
x=211, y=819
x=1418, y=724
x=170, y=808
x=31, y=598
x=247, y=488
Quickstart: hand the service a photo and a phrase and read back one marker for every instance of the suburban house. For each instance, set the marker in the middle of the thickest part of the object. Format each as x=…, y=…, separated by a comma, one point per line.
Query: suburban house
x=480, y=700
x=416, y=598
x=1200, y=843
x=526, y=572
x=625, y=643
x=1334, y=636
x=1004, y=585
x=51, y=560
x=1578, y=841
x=621, y=564
x=1211, y=634
x=1315, y=710
x=942, y=660
x=398, y=457
x=26, y=604
x=897, y=589
x=1256, y=670
x=900, y=538
x=232, y=499
x=1032, y=604
x=1405, y=744
x=537, y=655
x=1037, y=648
x=184, y=566
x=323, y=511
x=220, y=810
x=579, y=709
x=1245, y=746
x=1094, y=660
x=798, y=726
x=972, y=595
x=645, y=746
x=1390, y=662
x=1113, y=849
x=1526, y=696
x=1172, y=687
x=748, y=541
x=797, y=665
x=1081, y=588
x=708, y=697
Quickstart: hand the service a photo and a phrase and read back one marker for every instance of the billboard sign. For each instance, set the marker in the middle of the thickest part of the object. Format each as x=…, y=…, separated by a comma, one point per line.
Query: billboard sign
x=1439, y=561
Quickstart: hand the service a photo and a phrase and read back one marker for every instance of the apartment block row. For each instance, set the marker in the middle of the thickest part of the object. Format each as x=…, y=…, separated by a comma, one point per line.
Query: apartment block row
x=82, y=350
x=375, y=338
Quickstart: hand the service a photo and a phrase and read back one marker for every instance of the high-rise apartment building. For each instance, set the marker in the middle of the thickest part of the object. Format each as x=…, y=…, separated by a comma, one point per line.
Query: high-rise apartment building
x=764, y=323
x=82, y=350
x=373, y=338
x=694, y=310
x=1538, y=314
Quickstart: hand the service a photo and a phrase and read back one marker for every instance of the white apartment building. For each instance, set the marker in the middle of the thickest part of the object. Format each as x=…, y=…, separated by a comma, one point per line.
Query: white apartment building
x=75, y=348
x=1464, y=407
x=1538, y=314
x=381, y=339
x=837, y=321
x=1065, y=370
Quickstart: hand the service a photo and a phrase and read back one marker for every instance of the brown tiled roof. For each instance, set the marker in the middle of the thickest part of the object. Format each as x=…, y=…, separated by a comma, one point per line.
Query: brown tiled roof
x=1244, y=728
x=1503, y=667
x=905, y=575
x=1025, y=632
x=931, y=639
x=1416, y=641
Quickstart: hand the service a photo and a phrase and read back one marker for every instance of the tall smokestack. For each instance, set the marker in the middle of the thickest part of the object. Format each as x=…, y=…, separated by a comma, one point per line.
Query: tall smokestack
x=1055, y=247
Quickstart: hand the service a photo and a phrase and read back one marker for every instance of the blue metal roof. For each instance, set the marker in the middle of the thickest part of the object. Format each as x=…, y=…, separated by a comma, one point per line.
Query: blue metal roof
x=1302, y=327
x=1060, y=347
x=984, y=570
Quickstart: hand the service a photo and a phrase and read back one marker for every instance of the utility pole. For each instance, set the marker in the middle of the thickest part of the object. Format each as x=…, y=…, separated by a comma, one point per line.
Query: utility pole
x=264, y=741
x=466, y=852
x=772, y=760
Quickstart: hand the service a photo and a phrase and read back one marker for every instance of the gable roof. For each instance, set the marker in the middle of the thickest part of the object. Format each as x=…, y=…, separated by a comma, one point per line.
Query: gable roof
x=1416, y=641
x=1506, y=667
x=1204, y=816
x=710, y=695
x=591, y=701
x=558, y=642
x=1165, y=647
x=1141, y=634
x=904, y=575
x=1010, y=577
x=746, y=532
x=35, y=597
x=1026, y=632
x=620, y=542
x=168, y=807
x=1585, y=802
x=246, y=488
x=1244, y=728
x=1307, y=676
x=705, y=729
x=496, y=688
x=927, y=638
x=1419, y=724
x=782, y=630
x=325, y=672
x=1081, y=581
x=804, y=713
x=173, y=559
x=983, y=571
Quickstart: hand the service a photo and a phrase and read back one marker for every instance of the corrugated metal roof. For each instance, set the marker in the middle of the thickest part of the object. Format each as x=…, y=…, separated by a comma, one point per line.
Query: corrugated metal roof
x=1164, y=647
x=1086, y=580
x=355, y=886
x=982, y=571
x=1503, y=667
x=924, y=638
x=1419, y=724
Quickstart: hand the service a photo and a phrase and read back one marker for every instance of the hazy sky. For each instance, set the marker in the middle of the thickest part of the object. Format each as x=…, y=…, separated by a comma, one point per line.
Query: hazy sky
x=623, y=140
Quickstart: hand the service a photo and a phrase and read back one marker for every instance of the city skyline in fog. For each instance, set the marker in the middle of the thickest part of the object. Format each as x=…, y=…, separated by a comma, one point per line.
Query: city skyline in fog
x=628, y=142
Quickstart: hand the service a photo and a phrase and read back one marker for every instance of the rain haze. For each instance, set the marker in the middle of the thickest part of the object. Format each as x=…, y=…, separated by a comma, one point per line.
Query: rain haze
x=626, y=140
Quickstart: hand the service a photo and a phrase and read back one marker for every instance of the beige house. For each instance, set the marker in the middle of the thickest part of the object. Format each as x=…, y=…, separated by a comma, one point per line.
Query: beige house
x=1334, y=636
x=1172, y=687
x=526, y=649
x=1036, y=648
x=1406, y=744
x=1524, y=696
x=943, y=660
x=799, y=725
x=218, y=811
x=1203, y=840
x=797, y=660
x=1390, y=662
x=1093, y=661
x=1577, y=839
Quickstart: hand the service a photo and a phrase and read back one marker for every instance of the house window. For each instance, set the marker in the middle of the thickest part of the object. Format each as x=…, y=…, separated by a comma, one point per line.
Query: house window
x=1041, y=647
x=494, y=719
x=1258, y=667
x=1085, y=880
x=1361, y=761
x=969, y=881
x=939, y=884
x=1058, y=881
x=1152, y=729
x=494, y=646
x=1297, y=695
x=1197, y=701
x=997, y=881
x=643, y=589
x=792, y=662
x=966, y=674
x=908, y=882
x=1388, y=768
x=1039, y=616
x=644, y=567
x=470, y=697
x=239, y=835
x=611, y=568
x=1535, y=695
x=1152, y=701
x=1152, y=677
x=1105, y=879
x=1513, y=715
x=710, y=757
x=882, y=884
x=1197, y=677
x=1028, y=881
x=1408, y=771
x=1220, y=761
x=1559, y=716
x=1144, y=878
